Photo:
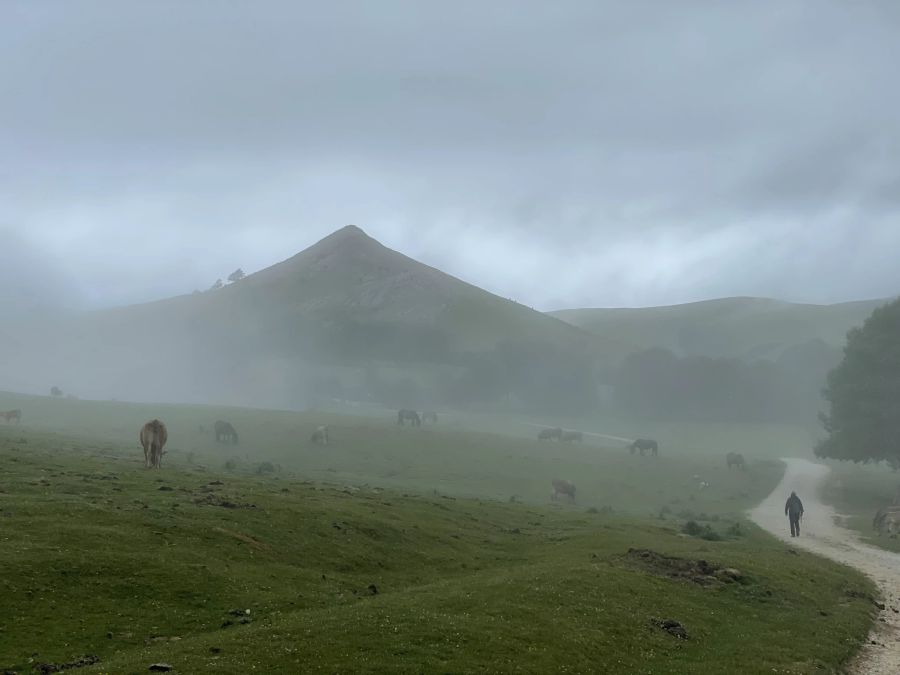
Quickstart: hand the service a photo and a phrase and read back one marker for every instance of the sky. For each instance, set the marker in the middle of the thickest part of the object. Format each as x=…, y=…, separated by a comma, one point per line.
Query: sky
x=564, y=154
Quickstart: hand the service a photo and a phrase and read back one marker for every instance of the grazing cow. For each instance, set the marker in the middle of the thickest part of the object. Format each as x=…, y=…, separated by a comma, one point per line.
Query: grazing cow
x=572, y=437
x=736, y=459
x=153, y=437
x=12, y=415
x=429, y=417
x=320, y=436
x=887, y=520
x=563, y=487
x=411, y=415
x=225, y=433
x=554, y=434
x=642, y=444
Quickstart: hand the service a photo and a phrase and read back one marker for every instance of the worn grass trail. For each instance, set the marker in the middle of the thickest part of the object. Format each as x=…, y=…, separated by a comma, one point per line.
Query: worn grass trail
x=101, y=557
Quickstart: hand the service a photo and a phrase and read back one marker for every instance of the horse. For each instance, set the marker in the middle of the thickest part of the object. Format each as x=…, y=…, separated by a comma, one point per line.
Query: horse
x=554, y=434
x=153, y=438
x=429, y=417
x=563, y=487
x=735, y=459
x=320, y=436
x=572, y=436
x=411, y=415
x=225, y=433
x=12, y=415
x=642, y=444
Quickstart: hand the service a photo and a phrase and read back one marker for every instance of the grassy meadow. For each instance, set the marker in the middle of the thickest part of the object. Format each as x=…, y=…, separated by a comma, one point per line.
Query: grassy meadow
x=857, y=492
x=396, y=550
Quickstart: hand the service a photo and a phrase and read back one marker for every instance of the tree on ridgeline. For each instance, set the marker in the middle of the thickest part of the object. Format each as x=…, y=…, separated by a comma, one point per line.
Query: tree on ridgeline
x=237, y=275
x=863, y=393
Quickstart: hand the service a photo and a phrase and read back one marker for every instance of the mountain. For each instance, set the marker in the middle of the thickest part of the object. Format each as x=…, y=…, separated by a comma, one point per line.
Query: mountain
x=745, y=328
x=342, y=318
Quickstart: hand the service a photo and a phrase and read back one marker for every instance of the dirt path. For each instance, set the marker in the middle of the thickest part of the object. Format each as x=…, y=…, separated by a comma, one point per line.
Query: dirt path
x=820, y=535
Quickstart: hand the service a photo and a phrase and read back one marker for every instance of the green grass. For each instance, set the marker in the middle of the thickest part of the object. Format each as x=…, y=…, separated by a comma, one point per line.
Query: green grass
x=450, y=458
x=857, y=492
x=100, y=556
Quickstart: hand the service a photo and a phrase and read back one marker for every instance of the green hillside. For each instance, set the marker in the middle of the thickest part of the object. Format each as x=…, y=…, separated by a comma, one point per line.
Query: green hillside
x=278, y=556
x=343, y=310
x=747, y=328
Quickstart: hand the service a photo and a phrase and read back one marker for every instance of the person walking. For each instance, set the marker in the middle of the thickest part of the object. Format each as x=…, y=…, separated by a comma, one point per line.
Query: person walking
x=793, y=509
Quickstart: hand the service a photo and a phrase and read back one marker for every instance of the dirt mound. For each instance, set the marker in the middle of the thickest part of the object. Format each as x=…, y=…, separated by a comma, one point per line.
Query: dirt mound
x=699, y=572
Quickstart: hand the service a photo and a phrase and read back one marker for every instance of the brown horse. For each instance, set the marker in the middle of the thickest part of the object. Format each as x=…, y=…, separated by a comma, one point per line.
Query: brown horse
x=563, y=487
x=735, y=459
x=153, y=437
x=12, y=415
x=411, y=415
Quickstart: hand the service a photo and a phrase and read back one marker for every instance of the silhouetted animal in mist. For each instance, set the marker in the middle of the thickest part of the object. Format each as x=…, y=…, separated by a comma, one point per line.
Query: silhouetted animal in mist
x=153, y=438
x=429, y=417
x=554, y=434
x=225, y=433
x=642, y=444
x=563, y=487
x=411, y=415
x=12, y=415
x=320, y=436
x=735, y=459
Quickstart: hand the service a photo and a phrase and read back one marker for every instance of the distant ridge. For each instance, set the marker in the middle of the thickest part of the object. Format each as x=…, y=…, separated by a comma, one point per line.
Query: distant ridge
x=741, y=327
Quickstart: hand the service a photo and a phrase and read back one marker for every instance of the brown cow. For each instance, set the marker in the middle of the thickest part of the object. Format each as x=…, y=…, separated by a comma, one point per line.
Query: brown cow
x=12, y=415
x=153, y=438
x=563, y=487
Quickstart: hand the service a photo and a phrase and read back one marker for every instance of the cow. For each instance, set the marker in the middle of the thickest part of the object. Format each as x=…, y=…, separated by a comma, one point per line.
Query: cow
x=411, y=415
x=887, y=520
x=320, y=436
x=736, y=459
x=429, y=417
x=11, y=415
x=642, y=444
x=153, y=438
x=572, y=437
x=225, y=433
x=563, y=487
x=554, y=434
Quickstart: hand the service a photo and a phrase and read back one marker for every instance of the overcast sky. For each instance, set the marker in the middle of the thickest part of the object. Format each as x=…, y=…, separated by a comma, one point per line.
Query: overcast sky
x=559, y=153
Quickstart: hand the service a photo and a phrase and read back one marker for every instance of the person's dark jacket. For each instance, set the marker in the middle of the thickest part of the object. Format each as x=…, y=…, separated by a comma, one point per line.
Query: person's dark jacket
x=793, y=506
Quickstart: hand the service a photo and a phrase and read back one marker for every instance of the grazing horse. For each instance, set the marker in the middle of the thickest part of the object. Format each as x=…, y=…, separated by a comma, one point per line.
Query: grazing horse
x=411, y=415
x=563, y=487
x=153, y=437
x=642, y=444
x=225, y=433
x=554, y=434
x=572, y=436
x=12, y=415
x=429, y=417
x=320, y=436
x=887, y=520
x=736, y=459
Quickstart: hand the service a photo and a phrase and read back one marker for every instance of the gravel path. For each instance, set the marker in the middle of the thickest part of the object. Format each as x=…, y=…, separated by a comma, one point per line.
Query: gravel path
x=820, y=535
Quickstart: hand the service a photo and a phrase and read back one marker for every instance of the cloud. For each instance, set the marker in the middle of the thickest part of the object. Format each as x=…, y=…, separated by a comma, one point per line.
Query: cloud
x=575, y=154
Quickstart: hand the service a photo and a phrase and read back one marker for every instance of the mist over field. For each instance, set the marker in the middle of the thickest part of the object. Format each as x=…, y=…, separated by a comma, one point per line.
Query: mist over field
x=483, y=337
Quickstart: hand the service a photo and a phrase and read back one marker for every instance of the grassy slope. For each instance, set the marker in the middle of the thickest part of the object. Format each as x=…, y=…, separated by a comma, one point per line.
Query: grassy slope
x=738, y=327
x=450, y=459
x=857, y=492
x=98, y=559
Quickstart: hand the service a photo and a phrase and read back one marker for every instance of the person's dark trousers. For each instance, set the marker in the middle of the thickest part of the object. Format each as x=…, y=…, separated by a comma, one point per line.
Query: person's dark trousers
x=795, y=524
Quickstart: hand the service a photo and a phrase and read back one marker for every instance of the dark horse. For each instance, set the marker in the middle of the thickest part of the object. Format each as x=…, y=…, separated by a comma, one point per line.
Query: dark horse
x=411, y=415
x=554, y=434
x=642, y=444
x=735, y=459
x=225, y=433
x=563, y=487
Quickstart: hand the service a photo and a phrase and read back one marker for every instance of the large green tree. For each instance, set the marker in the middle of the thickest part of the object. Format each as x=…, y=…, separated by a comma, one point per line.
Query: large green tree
x=863, y=393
